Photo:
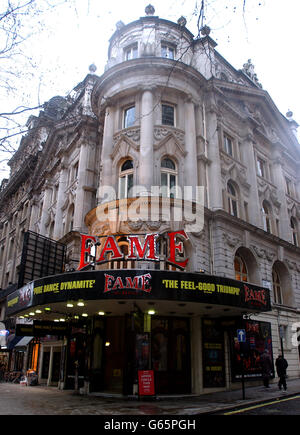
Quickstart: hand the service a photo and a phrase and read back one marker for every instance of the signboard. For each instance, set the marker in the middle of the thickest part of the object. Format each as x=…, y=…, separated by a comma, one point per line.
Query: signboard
x=139, y=249
x=241, y=335
x=139, y=284
x=146, y=383
x=41, y=329
x=41, y=256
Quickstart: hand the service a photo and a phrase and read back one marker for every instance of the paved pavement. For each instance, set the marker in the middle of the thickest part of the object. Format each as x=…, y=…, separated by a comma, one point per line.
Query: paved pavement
x=16, y=399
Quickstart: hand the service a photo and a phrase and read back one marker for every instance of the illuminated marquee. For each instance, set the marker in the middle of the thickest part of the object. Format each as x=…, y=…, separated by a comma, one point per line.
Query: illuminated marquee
x=138, y=250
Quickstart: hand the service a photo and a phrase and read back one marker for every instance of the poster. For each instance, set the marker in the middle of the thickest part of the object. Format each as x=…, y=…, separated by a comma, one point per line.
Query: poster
x=213, y=354
x=258, y=338
x=142, y=351
x=146, y=383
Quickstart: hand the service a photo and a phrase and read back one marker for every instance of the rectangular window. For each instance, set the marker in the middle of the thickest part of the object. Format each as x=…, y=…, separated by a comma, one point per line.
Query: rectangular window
x=168, y=115
x=167, y=51
x=246, y=211
x=228, y=146
x=125, y=186
x=288, y=185
x=129, y=117
x=261, y=167
x=131, y=52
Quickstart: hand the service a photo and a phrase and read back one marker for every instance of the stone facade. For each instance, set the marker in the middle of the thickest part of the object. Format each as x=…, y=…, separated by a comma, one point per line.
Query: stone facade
x=223, y=132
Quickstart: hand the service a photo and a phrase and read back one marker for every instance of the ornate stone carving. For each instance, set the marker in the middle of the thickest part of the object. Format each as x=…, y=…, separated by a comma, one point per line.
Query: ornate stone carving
x=132, y=133
x=161, y=133
x=264, y=253
x=230, y=240
x=248, y=69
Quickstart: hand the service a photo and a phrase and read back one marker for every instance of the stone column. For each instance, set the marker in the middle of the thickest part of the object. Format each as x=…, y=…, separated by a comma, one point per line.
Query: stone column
x=146, y=145
x=45, y=209
x=215, y=185
x=80, y=203
x=248, y=158
x=63, y=179
x=34, y=212
x=285, y=231
x=107, y=147
x=190, y=167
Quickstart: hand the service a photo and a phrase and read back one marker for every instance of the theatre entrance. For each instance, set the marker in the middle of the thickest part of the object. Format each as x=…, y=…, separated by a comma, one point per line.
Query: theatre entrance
x=170, y=355
x=128, y=345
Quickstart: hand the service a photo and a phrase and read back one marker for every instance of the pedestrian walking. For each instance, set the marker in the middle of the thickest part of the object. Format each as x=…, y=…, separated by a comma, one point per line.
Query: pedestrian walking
x=266, y=365
x=281, y=366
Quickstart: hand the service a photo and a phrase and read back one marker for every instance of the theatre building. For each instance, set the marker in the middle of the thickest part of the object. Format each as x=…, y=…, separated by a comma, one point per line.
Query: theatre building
x=151, y=222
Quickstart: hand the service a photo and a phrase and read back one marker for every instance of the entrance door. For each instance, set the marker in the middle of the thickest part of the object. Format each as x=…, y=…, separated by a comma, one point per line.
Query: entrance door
x=56, y=366
x=114, y=350
x=170, y=353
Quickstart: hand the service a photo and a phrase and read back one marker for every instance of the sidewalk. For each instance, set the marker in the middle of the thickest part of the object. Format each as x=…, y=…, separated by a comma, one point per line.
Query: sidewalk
x=192, y=405
x=16, y=399
x=205, y=404
x=227, y=400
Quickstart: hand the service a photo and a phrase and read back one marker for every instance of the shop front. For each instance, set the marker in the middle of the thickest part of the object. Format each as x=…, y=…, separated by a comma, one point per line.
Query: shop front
x=109, y=324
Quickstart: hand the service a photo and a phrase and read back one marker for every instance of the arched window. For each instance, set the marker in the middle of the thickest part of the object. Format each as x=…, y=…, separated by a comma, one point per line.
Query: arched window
x=276, y=287
x=168, y=178
x=294, y=227
x=240, y=269
x=126, y=179
x=266, y=214
x=232, y=198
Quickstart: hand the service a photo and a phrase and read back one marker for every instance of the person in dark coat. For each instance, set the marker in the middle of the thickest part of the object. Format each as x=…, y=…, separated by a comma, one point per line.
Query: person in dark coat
x=266, y=365
x=281, y=366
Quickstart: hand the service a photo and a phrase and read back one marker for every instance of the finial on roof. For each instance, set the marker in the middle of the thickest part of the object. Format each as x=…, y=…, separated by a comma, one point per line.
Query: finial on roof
x=205, y=30
x=181, y=21
x=92, y=68
x=149, y=10
x=293, y=124
x=119, y=25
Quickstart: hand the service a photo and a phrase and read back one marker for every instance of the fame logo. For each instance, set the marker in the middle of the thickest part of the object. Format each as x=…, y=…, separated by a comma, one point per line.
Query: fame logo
x=255, y=295
x=141, y=283
x=146, y=249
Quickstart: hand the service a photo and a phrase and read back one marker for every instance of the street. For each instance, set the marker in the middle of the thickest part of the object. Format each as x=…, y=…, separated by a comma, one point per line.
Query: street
x=281, y=406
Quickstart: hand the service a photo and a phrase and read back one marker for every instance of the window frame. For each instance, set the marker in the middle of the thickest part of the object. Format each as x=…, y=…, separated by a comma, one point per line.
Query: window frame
x=267, y=217
x=261, y=167
x=242, y=264
x=131, y=51
x=125, y=175
x=278, y=296
x=288, y=186
x=167, y=48
x=126, y=120
x=232, y=199
x=226, y=140
x=169, y=172
x=168, y=105
x=294, y=228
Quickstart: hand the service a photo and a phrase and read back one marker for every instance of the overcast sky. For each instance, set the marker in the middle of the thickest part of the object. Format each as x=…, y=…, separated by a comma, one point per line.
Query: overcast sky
x=76, y=34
